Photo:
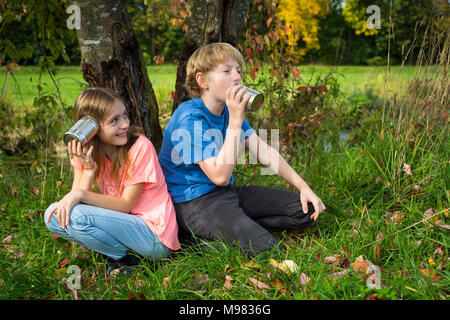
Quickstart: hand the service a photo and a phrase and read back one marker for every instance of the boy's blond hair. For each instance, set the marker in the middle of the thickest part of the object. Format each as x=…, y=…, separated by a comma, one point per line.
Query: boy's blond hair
x=206, y=58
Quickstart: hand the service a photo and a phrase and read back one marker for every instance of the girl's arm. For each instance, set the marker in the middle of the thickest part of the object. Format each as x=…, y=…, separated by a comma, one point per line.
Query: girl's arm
x=270, y=158
x=83, y=179
x=123, y=204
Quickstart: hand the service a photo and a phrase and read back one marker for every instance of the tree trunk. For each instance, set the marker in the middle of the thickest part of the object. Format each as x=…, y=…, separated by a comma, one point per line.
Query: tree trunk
x=111, y=57
x=211, y=21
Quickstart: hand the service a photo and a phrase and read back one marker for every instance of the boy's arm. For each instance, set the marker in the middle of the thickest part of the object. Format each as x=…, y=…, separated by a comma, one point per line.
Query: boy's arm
x=270, y=158
x=220, y=168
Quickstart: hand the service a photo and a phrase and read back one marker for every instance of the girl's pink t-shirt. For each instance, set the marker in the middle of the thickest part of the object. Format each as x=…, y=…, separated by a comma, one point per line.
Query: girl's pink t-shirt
x=154, y=204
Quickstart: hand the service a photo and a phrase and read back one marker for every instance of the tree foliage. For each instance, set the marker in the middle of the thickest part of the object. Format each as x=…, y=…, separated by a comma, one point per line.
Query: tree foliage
x=36, y=32
x=159, y=26
x=354, y=13
x=301, y=19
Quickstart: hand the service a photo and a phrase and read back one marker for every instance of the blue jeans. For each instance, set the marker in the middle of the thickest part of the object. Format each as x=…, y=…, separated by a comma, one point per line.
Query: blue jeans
x=109, y=232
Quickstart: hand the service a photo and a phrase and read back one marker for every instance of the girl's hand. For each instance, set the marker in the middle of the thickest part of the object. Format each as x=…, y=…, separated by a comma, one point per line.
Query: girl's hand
x=307, y=195
x=84, y=154
x=63, y=207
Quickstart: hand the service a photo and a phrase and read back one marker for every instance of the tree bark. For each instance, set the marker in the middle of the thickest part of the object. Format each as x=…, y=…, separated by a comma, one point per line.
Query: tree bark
x=111, y=57
x=211, y=21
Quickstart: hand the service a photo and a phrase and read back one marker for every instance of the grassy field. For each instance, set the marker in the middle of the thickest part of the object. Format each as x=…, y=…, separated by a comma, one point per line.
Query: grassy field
x=387, y=198
x=70, y=81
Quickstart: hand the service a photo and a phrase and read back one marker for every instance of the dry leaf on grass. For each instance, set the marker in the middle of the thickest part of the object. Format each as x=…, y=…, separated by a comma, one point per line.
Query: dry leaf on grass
x=259, y=284
x=407, y=169
x=286, y=266
x=339, y=274
x=304, y=279
x=228, y=284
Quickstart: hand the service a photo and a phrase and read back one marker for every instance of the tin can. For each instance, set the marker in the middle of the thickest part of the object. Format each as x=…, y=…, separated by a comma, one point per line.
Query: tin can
x=83, y=130
x=256, y=99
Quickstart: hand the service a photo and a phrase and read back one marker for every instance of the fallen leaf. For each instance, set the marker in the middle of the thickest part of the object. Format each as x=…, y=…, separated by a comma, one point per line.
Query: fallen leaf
x=330, y=259
x=35, y=191
x=361, y=265
x=259, y=284
x=278, y=285
x=439, y=251
x=63, y=262
x=131, y=296
x=14, y=192
x=431, y=274
x=165, y=282
x=339, y=274
x=250, y=265
x=407, y=169
x=380, y=236
x=304, y=279
x=83, y=255
x=114, y=272
x=291, y=265
x=201, y=278
x=377, y=251
x=8, y=239
x=16, y=254
x=440, y=225
x=286, y=266
x=345, y=263
x=372, y=296
x=227, y=284
x=395, y=217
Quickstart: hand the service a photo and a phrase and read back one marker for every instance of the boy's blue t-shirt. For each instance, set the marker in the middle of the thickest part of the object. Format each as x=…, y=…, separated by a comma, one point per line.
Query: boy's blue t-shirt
x=193, y=134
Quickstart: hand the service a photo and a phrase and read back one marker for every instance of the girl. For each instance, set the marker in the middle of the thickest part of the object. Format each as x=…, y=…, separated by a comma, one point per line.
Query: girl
x=132, y=209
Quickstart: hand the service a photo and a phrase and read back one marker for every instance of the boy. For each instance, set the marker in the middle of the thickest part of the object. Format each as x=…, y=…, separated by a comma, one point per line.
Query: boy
x=199, y=152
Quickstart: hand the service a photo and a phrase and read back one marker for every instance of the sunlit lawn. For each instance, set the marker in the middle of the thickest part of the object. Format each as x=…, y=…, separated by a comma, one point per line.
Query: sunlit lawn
x=375, y=213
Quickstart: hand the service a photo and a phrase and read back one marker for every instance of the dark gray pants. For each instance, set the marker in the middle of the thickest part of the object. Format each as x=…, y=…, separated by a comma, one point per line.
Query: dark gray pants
x=243, y=215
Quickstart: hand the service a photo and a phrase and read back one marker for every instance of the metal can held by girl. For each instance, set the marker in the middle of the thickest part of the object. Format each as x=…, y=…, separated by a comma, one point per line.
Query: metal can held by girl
x=83, y=130
x=256, y=99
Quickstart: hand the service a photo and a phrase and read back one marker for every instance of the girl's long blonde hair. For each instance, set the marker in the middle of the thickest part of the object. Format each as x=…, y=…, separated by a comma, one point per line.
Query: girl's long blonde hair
x=97, y=103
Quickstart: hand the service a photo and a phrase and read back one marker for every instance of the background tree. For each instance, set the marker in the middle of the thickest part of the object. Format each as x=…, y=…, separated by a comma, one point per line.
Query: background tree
x=210, y=21
x=159, y=27
x=302, y=18
x=111, y=57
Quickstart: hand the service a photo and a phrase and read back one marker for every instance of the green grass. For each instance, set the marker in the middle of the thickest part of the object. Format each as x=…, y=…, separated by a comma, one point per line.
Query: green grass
x=360, y=184
x=70, y=80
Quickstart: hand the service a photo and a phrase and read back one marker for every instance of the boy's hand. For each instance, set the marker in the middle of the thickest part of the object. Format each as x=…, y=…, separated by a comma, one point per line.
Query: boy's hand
x=307, y=195
x=236, y=100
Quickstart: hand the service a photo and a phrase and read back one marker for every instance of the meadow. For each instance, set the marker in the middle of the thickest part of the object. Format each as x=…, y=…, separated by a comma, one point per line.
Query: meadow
x=384, y=234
